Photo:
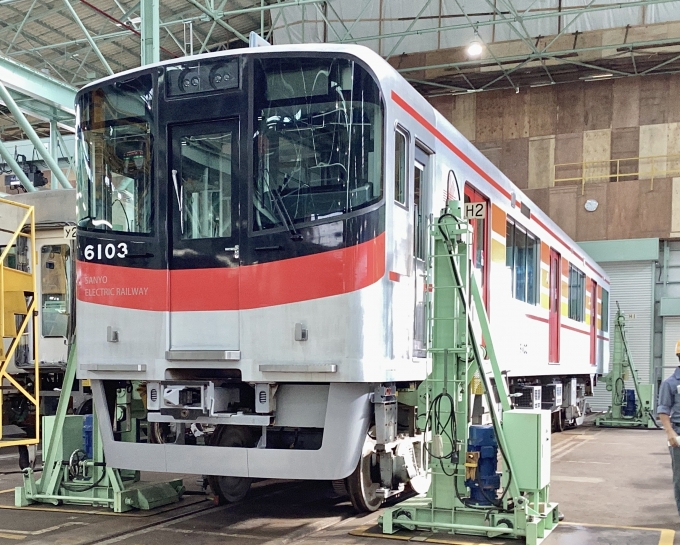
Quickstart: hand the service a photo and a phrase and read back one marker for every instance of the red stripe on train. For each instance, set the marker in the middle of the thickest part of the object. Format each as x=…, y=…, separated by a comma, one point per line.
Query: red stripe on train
x=254, y=286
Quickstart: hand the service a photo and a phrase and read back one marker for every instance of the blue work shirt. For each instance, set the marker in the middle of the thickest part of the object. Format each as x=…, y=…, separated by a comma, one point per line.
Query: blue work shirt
x=669, y=397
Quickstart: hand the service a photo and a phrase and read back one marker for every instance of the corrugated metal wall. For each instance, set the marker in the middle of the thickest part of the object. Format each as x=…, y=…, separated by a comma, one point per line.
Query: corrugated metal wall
x=671, y=335
x=632, y=285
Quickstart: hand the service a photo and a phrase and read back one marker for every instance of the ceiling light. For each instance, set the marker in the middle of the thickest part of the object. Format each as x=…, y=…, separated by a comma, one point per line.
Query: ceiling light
x=474, y=49
x=596, y=76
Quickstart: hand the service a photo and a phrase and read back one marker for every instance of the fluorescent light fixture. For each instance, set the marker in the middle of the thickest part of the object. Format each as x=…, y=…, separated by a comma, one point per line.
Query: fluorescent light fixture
x=597, y=76
x=474, y=49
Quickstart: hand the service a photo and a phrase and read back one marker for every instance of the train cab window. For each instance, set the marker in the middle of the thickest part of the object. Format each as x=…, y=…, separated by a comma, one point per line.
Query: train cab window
x=522, y=258
x=400, y=147
x=577, y=294
x=317, y=142
x=605, y=310
x=54, y=281
x=114, y=153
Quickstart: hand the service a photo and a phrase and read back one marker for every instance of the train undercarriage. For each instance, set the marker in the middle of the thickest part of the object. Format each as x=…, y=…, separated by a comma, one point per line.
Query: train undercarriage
x=289, y=424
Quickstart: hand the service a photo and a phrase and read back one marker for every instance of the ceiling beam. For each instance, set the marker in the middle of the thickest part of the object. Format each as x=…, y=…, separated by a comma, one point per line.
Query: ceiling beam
x=39, y=86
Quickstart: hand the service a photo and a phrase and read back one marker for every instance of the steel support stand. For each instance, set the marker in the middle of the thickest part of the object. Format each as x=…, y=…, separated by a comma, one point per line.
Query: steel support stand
x=69, y=477
x=623, y=369
x=461, y=343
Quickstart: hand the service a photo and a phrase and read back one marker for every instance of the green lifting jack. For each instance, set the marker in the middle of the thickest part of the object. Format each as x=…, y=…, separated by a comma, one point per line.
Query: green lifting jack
x=630, y=408
x=70, y=476
x=457, y=324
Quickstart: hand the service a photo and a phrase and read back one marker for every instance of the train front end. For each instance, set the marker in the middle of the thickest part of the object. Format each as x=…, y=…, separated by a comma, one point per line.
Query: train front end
x=231, y=266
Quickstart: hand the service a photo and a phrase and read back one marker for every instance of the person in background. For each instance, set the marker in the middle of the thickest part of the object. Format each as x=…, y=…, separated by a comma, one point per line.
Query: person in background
x=668, y=411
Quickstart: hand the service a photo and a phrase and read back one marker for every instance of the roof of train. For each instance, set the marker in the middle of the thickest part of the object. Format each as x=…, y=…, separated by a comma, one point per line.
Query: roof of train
x=52, y=206
x=387, y=74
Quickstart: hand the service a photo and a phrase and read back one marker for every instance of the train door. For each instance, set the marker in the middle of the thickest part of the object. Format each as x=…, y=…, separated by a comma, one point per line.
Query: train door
x=480, y=245
x=593, y=322
x=555, y=306
x=205, y=241
x=421, y=204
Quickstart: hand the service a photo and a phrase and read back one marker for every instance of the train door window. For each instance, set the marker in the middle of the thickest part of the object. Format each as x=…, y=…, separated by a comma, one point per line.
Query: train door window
x=479, y=240
x=54, y=281
x=400, y=173
x=520, y=265
x=577, y=285
x=420, y=240
x=420, y=203
x=206, y=186
x=555, y=306
x=593, y=322
x=605, y=310
x=533, y=250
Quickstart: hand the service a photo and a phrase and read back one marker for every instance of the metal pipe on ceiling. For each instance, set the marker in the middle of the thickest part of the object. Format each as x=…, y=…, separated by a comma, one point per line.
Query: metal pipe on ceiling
x=122, y=24
x=33, y=137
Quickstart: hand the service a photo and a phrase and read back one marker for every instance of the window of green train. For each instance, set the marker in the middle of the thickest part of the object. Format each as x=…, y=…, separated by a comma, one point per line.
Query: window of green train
x=114, y=155
x=317, y=142
x=54, y=282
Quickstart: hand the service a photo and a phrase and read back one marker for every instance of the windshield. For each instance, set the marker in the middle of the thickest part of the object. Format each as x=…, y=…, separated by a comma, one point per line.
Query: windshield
x=114, y=157
x=318, y=141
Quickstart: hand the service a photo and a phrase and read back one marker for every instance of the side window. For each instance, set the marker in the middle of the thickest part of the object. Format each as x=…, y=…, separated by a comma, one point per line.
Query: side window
x=605, y=310
x=522, y=257
x=533, y=267
x=577, y=284
x=400, y=148
x=54, y=271
x=510, y=253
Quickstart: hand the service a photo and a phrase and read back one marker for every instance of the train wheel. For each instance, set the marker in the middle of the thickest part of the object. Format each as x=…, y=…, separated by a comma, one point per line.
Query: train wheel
x=163, y=432
x=362, y=490
x=231, y=489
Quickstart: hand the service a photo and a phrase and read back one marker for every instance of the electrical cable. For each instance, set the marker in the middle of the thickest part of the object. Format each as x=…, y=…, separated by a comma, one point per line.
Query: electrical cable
x=90, y=487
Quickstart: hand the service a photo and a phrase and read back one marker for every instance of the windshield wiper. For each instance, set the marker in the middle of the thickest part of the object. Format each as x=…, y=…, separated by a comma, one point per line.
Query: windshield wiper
x=282, y=212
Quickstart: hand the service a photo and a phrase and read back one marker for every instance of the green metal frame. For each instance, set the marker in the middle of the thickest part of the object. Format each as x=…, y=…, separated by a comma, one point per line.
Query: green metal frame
x=457, y=325
x=104, y=486
x=623, y=369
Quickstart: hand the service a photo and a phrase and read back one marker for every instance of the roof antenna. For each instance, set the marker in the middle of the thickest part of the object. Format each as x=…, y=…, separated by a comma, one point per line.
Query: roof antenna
x=255, y=40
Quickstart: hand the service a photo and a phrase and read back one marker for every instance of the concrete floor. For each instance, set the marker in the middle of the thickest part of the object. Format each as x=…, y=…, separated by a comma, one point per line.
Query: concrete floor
x=614, y=487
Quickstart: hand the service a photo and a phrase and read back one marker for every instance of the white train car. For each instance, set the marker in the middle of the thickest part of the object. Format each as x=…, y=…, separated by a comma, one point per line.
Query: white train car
x=252, y=237
x=54, y=210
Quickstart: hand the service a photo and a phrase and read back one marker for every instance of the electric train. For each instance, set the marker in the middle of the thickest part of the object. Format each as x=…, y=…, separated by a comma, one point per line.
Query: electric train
x=251, y=259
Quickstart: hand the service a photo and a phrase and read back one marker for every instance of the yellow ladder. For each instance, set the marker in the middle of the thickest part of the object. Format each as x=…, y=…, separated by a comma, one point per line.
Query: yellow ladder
x=18, y=297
